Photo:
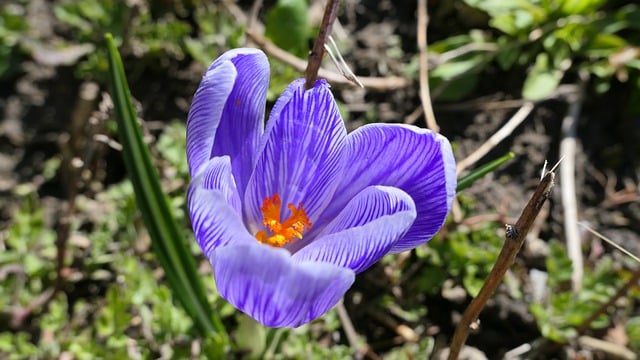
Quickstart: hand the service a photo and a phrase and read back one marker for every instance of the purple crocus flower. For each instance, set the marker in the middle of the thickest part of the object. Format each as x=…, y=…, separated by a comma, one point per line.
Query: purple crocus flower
x=290, y=213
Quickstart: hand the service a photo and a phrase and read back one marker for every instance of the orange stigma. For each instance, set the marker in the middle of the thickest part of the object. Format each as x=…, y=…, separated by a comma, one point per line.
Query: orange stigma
x=279, y=233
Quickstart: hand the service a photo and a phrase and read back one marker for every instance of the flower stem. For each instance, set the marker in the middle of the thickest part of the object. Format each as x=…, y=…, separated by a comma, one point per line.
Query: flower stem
x=315, y=56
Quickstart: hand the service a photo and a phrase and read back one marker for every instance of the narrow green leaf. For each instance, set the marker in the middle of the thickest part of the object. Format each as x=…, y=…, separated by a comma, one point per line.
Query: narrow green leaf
x=466, y=181
x=172, y=252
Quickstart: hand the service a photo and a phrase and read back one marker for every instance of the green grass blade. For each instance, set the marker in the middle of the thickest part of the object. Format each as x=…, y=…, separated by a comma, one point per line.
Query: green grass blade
x=170, y=248
x=483, y=170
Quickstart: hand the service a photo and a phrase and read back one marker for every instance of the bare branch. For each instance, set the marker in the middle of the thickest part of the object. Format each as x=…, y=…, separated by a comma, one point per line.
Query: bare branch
x=515, y=236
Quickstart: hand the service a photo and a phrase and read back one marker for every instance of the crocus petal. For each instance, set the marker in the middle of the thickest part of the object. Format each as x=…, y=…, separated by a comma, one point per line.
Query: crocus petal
x=206, y=111
x=302, y=152
x=416, y=160
x=364, y=231
x=214, y=207
x=263, y=282
x=227, y=113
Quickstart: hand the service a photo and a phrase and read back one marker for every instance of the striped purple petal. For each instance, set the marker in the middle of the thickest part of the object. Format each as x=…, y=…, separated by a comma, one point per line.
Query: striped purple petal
x=364, y=231
x=416, y=160
x=266, y=284
x=302, y=155
x=227, y=113
x=214, y=207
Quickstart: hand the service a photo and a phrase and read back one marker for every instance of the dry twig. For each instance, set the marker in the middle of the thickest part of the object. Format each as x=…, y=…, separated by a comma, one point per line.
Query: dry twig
x=350, y=331
x=610, y=242
x=405, y=333
x=336, y=79
x=496, y=138
x=316, y=54
x=425, y=97
x=254, y=33
x=253, y=15
x=567, y=173
x=515, y=236
x=610, y=350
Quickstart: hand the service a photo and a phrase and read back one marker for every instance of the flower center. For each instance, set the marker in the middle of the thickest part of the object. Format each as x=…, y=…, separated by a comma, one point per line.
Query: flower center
x=279, y=233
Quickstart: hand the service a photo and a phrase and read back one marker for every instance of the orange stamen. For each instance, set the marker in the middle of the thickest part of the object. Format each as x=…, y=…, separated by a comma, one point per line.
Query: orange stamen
x=279, y=233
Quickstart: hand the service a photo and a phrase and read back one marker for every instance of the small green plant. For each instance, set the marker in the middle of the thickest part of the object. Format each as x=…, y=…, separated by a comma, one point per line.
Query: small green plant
x=563, y=310
x=151, y=36
x=554, y=41
x=13, y=27
x=30, y=242
x=465, y=254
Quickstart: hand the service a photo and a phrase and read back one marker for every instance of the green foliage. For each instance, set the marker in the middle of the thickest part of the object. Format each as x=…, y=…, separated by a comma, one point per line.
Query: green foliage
x=153, y=36
x=563, y=310
x=552, y=40
x=300, y=343
x=30, y=242
x=543, y=79
x=92, y=19
x=17, y=346
x=171, y=145
x=282, y=76
x=252, y=336
x=89, y=21
x=452, y=80
x=632, y=327
x=287, y=25
x=208, y=42
x=13, y=26
x=465, y=255
x=136, y=308
x=511, y=17
x=413, y=350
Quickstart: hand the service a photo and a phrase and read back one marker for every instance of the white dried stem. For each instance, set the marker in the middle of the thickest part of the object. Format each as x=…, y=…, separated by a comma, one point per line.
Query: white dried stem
x=496, y=138
x=425, y=96
x=568, y=186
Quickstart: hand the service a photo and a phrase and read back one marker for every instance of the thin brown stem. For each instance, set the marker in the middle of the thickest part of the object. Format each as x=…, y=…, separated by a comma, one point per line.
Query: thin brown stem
x=350, y=331
x=316, y=54
x=253, y=15
x=515, y=236
x=337, y=80
x=425, y=96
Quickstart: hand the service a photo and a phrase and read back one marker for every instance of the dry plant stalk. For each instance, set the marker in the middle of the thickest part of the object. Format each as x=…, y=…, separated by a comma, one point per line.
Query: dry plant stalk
x=425, y=96
x=568, y=147
x=315, y=56
x=515, y=236
x=371, y=83
x=497, y=137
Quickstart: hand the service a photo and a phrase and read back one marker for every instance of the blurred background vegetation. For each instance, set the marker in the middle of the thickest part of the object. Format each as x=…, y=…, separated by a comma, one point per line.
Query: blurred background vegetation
x=78, y=279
